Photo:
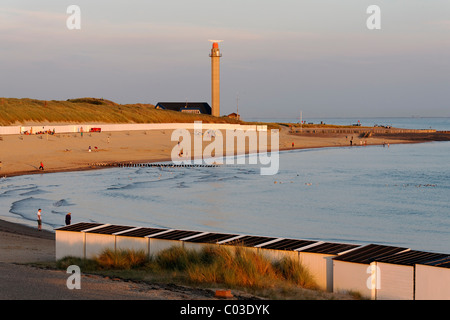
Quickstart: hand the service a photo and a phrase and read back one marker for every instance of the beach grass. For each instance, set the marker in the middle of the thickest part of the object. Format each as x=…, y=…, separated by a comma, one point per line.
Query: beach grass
x=213, y=266
x=92, y=110
x=15, y=111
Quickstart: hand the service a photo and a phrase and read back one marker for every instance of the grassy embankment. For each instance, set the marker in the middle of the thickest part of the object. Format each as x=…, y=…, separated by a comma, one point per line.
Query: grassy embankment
x=91, y=110
x=24, y=111
x=217, y=267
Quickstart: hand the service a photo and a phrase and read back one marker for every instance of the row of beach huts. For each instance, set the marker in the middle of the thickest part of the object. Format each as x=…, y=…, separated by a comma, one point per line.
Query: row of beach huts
x=377, y=272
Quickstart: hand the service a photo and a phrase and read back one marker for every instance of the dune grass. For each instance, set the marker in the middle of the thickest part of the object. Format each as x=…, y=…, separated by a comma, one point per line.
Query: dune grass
x=213, y=266
x=92, y=110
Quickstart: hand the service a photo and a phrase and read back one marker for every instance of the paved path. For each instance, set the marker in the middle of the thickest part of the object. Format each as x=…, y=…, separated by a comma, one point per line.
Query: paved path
x=29, y=283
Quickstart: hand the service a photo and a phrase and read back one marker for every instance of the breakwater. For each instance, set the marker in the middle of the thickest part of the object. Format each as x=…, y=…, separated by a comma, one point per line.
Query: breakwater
x=150, y=165
x=358, y=130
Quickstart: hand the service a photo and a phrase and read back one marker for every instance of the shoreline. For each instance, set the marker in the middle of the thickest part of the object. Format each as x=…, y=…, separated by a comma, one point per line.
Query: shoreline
x=330, y=142
x=69, y=152
x=139, y=144
x=112, y=164
x=308, y=141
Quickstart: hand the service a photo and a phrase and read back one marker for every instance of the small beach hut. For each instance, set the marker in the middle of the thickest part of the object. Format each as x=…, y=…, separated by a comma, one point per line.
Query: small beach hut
x=354, y=271
x=137, y=239
x=70, y=240
x=167, y=239
x=97, y=240
x=285, y=248
x=318, y=259
x=433, y=280
x=396, y=274
x=199, y=241
x=249, y=242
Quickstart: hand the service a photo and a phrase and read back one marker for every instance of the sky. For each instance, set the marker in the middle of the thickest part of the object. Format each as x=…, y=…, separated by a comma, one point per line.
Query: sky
x=280, y=58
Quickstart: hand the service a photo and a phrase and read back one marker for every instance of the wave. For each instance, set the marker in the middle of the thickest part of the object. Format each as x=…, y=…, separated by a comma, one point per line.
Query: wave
x=120, y=195
x=181, y=185
x=142, y=184
x=27, y=210
x=14, y=190
x=216, y=178
x=62, y=203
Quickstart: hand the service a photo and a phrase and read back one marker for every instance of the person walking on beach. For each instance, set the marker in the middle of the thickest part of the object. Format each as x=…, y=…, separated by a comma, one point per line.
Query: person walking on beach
x=68, y=218
x=39, y=220
x=41, y=167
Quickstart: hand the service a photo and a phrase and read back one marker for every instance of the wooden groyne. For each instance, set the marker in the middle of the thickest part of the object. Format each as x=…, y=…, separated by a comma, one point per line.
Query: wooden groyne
x=151, y=165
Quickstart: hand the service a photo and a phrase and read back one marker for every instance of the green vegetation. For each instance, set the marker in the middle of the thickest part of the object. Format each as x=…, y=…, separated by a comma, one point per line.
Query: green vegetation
x=213, y=266
x=91, y=110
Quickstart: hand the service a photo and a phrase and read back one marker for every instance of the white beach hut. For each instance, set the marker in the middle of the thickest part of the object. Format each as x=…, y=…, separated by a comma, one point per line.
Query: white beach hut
x=70, y=240
x=97, y=240
x=318, y=259
x=355, y=271
x=433, y=280
x=137, y=239
x=396, y=274
x=167, y=239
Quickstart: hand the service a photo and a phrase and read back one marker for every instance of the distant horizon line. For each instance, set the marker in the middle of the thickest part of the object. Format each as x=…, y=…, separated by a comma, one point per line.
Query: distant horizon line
x=352, y=117
x=256, y=117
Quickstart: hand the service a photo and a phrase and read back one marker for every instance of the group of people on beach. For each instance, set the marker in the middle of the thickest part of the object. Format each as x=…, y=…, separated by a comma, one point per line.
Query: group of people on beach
x=68, y=219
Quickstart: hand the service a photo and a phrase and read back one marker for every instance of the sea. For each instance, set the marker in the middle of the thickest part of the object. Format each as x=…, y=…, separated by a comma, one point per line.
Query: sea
x=394, y=195
x=437, y=123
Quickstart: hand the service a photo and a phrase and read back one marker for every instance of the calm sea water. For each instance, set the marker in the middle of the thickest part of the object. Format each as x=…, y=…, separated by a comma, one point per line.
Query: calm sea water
x=397, y=195
x=440, y=124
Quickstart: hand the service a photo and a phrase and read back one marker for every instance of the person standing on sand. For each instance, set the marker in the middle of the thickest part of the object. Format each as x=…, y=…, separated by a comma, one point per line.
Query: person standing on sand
x=39, y=220
x=41, y=167
x=68, y=218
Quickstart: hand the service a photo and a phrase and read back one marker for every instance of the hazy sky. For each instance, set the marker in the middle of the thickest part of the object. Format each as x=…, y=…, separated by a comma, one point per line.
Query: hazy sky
x=280, y=57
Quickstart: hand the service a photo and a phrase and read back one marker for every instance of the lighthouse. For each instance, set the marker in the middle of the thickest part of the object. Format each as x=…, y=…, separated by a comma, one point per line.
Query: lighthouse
x=215, y=77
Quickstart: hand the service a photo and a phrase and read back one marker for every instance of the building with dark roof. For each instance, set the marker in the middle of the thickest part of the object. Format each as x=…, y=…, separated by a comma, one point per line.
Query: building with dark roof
x=189, y=107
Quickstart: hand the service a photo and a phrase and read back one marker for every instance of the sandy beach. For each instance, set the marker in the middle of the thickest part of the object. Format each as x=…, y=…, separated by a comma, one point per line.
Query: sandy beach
x=22, y=154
